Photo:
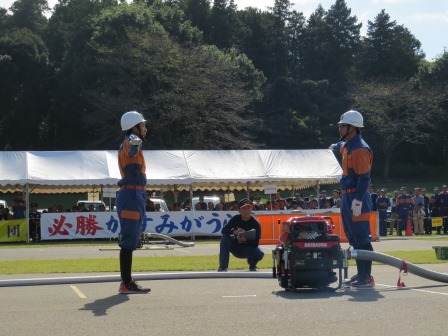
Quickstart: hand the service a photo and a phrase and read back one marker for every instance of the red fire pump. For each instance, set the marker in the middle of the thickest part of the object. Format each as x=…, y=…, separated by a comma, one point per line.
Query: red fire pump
x=308, y=254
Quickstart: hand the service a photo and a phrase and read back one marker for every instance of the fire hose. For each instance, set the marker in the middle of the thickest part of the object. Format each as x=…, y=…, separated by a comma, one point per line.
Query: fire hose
x=404, y=266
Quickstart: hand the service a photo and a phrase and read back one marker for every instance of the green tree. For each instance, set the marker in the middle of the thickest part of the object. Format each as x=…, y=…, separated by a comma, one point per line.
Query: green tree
x=343, y=41
x=331, y=41
x=190, y=94
x=389, y=50
x=198, y=13
x=296, y=32
x=29, y=14
x=223, y=23
x=24, y=77
x=281, y=13
x=398, y=112
x=256, y=39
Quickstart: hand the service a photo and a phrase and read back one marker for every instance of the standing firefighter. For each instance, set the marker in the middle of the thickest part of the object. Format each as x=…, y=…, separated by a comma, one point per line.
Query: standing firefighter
x=356, y=202
x=131, y=198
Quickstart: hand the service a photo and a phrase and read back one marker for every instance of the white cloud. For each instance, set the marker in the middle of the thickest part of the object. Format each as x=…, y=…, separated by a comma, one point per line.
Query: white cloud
x=429, y=17
x=389, y=2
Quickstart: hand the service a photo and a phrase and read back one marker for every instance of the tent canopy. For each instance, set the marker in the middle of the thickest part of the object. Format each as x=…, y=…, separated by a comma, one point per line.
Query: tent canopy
x=80, y=171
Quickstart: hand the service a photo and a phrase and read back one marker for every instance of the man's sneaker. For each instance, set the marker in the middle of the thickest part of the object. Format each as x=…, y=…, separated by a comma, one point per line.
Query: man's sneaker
x=222, y=269
x=347, y=282
x=132, y=288
x=363, y=282
x=253, y=268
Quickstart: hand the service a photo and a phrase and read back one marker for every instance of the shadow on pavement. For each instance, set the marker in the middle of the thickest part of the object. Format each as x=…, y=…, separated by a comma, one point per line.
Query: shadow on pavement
x=99, y=307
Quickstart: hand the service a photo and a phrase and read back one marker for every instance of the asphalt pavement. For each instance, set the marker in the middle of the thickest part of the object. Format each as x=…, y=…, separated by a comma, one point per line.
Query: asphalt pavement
x=252, y=306
x=111, y=251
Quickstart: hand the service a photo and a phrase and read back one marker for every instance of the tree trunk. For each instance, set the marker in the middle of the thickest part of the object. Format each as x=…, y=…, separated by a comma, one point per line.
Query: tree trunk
x=387, y=165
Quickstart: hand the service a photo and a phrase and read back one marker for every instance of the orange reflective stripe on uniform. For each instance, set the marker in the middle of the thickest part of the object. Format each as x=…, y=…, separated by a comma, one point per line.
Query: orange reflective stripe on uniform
x=362, y=217
x=124, y=159
x=361, y=161
x=129, y=214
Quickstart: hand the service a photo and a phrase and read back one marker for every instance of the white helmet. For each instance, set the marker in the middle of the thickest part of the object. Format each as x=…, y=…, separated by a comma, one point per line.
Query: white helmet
x=353, y=118
x=130, y=119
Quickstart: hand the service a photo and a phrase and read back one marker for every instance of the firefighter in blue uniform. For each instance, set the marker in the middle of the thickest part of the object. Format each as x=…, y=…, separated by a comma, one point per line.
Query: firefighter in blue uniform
x=404, y=206
x=131, y=198
x=427, y=220
x=442, y=205
x=433, y=211
x=356, y=202
x=382, y=204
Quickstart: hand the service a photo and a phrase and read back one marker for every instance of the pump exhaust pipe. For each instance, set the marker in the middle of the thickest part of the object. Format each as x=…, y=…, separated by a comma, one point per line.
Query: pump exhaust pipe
x=398, y=263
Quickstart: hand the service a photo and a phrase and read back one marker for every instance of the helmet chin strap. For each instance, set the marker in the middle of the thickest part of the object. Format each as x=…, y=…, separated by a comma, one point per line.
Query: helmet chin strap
x=139, y=134
x=346, y=133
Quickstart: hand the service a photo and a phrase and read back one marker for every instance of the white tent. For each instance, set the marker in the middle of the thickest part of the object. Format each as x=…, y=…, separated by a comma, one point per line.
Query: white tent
x=81, y=171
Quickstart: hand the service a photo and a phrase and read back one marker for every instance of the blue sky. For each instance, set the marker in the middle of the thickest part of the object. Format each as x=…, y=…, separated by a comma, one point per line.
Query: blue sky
x=426, y=19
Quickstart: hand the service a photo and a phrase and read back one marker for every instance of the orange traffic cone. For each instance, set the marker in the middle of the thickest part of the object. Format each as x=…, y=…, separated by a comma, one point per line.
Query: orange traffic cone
x=408, y=227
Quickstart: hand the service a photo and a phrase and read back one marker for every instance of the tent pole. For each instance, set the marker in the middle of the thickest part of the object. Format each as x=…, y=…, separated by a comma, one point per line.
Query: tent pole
x=192, y=209
x=27, y=209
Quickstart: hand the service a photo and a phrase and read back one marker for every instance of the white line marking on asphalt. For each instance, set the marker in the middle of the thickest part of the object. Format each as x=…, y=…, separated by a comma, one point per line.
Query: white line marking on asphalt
x=78, y=292
x=184, y=251
x=414, y=289
x=238, y=296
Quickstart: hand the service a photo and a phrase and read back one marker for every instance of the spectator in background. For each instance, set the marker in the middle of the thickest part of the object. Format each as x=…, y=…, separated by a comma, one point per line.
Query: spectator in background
x=91, y=208
x=81, y=207
x=176, y=207
x=34, y=216
x=102, y=208
x=311, y=198
x=334, y=197
x=382, y=204
x=404, y=207
x=211, y=206
x=374, y=196
x=337, y=204
x=256, y=203
x=393, y=213
x=442, y=205
x=219, y=206
x=313, y=205
x=157, y=207
x=4, y=213
x=322, y=198
x=18, y=207
x=202, y=204
x=7, y=215
x=150, y=206
x=417, y=199
x=281, y=204
x=433, y=210
x=294, y=205
x=419, y=215
x=427, y=220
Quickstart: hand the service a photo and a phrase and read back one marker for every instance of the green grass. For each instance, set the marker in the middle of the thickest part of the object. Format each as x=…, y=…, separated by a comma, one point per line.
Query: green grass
x=169, y=263
x=75, y=243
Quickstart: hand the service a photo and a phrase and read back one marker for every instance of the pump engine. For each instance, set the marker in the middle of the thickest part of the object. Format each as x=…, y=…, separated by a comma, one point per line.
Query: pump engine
x=308, y=253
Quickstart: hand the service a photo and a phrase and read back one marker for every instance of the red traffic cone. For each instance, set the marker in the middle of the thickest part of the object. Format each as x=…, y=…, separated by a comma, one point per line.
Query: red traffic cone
x=408, y=227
